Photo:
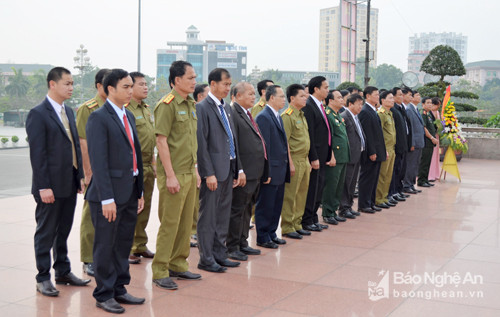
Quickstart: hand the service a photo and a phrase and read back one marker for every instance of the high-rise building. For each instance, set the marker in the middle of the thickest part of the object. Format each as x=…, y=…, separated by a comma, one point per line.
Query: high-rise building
x=204, y=56
x=421, y=44
x=342, y=32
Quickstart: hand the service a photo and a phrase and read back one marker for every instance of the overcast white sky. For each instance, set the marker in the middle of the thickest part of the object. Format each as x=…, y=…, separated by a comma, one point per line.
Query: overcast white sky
x=280, y=34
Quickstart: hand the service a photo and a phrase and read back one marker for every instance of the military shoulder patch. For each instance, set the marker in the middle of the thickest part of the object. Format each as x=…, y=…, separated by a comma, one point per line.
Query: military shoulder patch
x=168, y=99
x=328, y=111
x=289, y=111
x=91, y=103
x=146, y=105
x=126, y=105
x=381, y=110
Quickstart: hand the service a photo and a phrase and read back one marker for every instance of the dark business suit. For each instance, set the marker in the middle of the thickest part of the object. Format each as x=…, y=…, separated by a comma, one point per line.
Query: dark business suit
x=369, y=173
x=214, y=159
x=270, y=199
x=319, y=150
x=401, y=148
x=51, y=158
x=352, y=167
x=111, y=158
x=255, y=166
x=417, y=142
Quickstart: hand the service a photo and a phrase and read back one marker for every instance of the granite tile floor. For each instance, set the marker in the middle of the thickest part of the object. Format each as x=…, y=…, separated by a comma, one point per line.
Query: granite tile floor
x=437, y=254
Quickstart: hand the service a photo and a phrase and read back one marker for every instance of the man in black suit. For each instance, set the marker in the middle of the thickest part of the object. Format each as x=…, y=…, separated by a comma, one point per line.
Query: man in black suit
x=320, y=151
x=375, y=151
x=253, y=158
x=357, y=145
x=115, y=193
x=220, y=171
x=270, y=200
x=56, y=161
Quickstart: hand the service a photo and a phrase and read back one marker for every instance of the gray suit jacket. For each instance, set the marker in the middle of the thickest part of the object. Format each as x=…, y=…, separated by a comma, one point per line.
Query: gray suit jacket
x=213, y=141
x=353, y=136
x=417, y=127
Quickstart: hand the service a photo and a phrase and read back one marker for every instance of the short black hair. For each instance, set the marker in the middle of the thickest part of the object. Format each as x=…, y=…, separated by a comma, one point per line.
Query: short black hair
x=436, y=101
x=369, y=90
x=351, y=89
x=407, y=91
x=216, y=75
x=99, y=77
x=353, y=98
x=315, y=82
x=344, y=92
x=135, y=75
x=56, y=74
x=271, y=91
x=198, y=89
x=261, y=85
x=330, y=96
x=395, y=90
x=384, y=94
x=425, y=99
x=112, y=79
x=292, y=91
x=177, y=69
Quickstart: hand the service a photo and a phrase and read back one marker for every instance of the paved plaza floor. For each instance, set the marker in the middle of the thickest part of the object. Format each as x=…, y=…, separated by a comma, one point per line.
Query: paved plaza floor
x=438, y=254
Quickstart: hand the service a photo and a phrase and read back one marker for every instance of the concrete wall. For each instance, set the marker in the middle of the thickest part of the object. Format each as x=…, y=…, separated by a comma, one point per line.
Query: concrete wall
x=483, y=148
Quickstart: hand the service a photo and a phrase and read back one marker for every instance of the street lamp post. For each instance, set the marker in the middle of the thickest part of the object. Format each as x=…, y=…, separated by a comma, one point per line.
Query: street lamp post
x=82, y=62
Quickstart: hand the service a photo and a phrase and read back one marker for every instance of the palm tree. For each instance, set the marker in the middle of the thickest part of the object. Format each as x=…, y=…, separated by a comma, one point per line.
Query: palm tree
x=17, y=89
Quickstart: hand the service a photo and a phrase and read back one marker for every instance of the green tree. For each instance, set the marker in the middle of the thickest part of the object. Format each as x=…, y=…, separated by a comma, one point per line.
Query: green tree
x=18, y=84
x=347, y=84
x=386, y=76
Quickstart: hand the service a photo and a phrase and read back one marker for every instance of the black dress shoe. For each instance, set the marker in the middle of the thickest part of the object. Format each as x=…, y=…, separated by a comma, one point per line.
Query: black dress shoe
x=250, y=251
x=293, y=235
x=355, y=194
x=71, y=279
x=410, y=191
x=134, y=259
x=193, y=244
x=166, y=283
x=424, y=185
x=47, y=288
x=268, y=244
x=401, y=194
x=312, y=227
x=278, y=240
x=382, y=205
x=398, y=198
x=432, y=180
x=339, y=218
x=145, y=254
x=129, y=299
x=228, y=263
x=390, y=204
x=111, y=306
x=304, y=232
x=321, y=226
x=355, y=213
x=376, y=208
x=88, y=268
x=251, y=227
x=184, y=275
x=430, y=184
x=367, y=210
x=215, y=268
x=347, y=214
x=238, y=256
x=417, y=190
x=330, y=220
x=393, y=201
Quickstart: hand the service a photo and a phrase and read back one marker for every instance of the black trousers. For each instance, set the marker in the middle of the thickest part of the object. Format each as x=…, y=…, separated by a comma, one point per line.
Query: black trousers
x=398, y=174
x=367, y=185
x=425, y=164
x=351, y=178
x=112, y=244
x=53, y=225
x=268, y=211
x=314, y=195
x=241, y=211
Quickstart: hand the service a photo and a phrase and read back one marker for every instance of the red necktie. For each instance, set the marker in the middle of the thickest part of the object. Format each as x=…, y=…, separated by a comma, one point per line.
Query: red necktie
x=129, y=134
x=258, y=132
x=327, y=125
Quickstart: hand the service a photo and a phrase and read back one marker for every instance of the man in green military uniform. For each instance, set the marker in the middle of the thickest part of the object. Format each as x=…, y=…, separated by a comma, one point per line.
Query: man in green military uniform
x=82, y=115
x=175, y=129
x=261, y=88
x=147, y=139
x=430, y=143
x=335, y=169
x=387, y=166
x=297, y=135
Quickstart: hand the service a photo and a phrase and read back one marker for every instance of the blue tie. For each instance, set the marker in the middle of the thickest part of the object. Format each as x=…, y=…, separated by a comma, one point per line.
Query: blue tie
x=228, y=131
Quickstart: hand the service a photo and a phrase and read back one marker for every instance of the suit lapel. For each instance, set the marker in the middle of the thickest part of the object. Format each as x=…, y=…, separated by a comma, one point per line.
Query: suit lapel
x=215, y=108
x=242, y=114
x=117, y=120
x=56, y=118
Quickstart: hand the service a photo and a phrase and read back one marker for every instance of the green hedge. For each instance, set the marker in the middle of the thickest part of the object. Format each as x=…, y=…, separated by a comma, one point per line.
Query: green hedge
x=472, y=120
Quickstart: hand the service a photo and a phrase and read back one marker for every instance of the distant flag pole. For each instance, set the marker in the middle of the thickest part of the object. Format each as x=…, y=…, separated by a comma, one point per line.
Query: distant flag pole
x=446, y=100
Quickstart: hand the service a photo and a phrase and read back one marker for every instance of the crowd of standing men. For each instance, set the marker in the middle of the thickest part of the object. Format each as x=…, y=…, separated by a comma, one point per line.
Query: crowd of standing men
x=217, y=164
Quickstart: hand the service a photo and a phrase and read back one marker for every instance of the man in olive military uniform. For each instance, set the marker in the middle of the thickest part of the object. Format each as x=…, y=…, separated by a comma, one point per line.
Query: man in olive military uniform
x=82, y=115
x=261, y=88
x=336, y=167
x=175, y=129
x=147, y=139
x=430, y=143
x=386, y=167
x=297, y=135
